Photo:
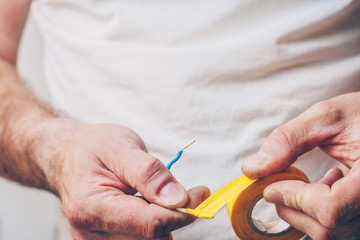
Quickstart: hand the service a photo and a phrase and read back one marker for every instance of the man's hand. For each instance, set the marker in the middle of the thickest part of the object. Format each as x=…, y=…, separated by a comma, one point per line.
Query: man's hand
x=94, y=169
x=97, y=169
x=329, y=209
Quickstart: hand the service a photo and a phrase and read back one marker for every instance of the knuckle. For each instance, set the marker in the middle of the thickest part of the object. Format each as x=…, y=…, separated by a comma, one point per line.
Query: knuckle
x=300, y=201
x=329, y=111
x=149, y=168
x=305, y=200
x=78, y=216
x=329, y=215
x=321, y=234
x=327, y=212
x=284, y=135
x=155, y=227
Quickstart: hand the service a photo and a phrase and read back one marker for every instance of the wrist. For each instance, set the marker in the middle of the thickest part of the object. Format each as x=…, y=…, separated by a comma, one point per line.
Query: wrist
x=50, y=146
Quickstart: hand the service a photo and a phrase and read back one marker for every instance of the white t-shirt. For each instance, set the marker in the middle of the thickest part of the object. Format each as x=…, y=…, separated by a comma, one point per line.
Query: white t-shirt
x=225, y=73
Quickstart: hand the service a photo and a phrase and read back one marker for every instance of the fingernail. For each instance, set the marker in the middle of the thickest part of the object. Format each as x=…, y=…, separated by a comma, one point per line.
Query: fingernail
x=273, y=196
x=257, y=160
x=172, y=193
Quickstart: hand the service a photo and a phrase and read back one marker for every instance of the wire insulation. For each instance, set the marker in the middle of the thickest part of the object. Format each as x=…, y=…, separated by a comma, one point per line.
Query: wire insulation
x=175, y=159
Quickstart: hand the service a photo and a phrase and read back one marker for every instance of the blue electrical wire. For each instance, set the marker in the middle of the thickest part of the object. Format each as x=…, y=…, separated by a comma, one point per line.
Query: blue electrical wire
x=175, y=159
x=178, y=156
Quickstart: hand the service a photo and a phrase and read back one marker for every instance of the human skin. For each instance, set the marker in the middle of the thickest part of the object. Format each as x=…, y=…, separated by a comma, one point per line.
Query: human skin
x=330, y=208
x=95, y=170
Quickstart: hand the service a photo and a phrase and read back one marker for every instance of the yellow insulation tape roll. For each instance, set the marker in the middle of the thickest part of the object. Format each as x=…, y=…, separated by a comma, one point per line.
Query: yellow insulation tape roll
x=241, y=195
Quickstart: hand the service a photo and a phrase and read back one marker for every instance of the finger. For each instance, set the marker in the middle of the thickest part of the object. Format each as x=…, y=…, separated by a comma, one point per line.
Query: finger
x=331, y=176
x=330, y=205
x=287, y=142
x=345, y=169
x=302, y=222
x=119, y=213
x=78, y=234
x=201, y=193
x=148, y=175
x=310, y=226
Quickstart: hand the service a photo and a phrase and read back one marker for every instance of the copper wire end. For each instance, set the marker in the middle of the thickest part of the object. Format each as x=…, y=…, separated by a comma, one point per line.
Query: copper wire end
x=188, y=145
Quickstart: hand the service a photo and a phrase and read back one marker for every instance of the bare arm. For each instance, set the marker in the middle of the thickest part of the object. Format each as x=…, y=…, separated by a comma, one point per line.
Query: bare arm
x=19, y=109
x=94, y=169
x=13, y=16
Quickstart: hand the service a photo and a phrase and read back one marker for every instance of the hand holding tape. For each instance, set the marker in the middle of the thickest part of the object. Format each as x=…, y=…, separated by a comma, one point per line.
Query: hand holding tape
x=241, y=195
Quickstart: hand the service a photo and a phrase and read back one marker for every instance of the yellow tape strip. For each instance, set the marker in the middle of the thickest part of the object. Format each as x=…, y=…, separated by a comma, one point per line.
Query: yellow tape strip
x=241, y=195
x=212, y=204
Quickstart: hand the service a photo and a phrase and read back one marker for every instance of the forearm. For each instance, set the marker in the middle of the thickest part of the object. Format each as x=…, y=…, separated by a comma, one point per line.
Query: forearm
x=23, y=120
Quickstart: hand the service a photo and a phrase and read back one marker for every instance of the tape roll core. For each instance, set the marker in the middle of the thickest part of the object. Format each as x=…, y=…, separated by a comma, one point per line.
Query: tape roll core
x=253, y=226
x=241, y=207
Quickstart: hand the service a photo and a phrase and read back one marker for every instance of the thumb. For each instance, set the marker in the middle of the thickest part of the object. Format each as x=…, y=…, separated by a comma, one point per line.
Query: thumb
x=299, y=135
x=150, y=177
